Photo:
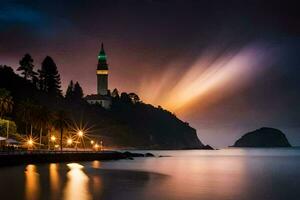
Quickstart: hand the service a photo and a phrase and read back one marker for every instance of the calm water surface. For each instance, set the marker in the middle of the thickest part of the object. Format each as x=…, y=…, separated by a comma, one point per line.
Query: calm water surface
x=243, y=174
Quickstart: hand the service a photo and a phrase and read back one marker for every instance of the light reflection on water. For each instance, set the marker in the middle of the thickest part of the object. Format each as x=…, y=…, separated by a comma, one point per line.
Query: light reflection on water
x=191, y=175
x=54, y=178
x=77, y=183
x=96, y=164
x=32, y=183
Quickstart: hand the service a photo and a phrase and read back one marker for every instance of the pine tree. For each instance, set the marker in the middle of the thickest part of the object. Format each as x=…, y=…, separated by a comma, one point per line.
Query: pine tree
x=74, y=92
x=115, y=93
x=26, y=66
x=78, y=92
x=49, y=77
x=70, y=91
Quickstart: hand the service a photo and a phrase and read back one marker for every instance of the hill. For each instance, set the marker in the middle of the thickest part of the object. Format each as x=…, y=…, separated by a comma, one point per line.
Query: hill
x=125, y=125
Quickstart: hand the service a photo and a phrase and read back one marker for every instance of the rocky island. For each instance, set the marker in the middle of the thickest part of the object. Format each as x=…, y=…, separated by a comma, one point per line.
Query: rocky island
x=263, y=137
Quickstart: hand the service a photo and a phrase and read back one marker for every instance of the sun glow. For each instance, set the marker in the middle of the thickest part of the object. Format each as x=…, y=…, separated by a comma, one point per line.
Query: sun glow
x=209, y=78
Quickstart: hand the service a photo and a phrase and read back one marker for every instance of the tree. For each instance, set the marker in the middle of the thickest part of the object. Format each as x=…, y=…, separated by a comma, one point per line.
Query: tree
x=61, y=122
x=70, y=91
x=6, y=102
x=6, y=105
x=134, y=98
x=43, y=118
x=115, y=93
x=26, y=66
x=35, y=81
x=27, y=114
x=78, y=92
x=74, y=92
x=49, y=77
x=125, y=98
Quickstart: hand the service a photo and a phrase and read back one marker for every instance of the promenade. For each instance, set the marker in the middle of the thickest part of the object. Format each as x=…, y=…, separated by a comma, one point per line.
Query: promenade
x=8, y=158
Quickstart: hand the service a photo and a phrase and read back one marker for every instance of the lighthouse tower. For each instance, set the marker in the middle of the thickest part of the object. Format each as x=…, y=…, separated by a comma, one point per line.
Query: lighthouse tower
x=102, y=97
x=102, y=73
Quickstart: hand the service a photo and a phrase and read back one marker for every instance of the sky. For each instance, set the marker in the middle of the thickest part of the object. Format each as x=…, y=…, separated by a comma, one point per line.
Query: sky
x=225, y=67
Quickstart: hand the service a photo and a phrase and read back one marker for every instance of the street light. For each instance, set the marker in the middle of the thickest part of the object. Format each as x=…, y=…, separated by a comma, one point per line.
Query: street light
x=53, y=138
x=30, y=142
x=92, y=142
x=69, y=141
x=80, y=133
x=96, y=146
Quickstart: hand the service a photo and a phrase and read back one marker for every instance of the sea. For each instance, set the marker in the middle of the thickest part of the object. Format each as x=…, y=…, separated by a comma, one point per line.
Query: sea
x=225, y=174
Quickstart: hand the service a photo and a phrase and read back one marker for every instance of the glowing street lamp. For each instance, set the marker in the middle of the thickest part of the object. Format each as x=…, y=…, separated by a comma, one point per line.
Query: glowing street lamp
x=30, y=142
x=69, y=141
x=80, y=133
x=53, y=138
x=96, y=146
x=92, y=142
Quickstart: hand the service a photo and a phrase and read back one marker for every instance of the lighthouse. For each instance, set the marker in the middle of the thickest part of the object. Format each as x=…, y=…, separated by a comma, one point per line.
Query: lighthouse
x=102, y=73
x=102, y=97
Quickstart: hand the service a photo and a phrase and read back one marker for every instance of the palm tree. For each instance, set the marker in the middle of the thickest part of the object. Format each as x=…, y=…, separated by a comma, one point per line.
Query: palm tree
x=61, y=122
x=6, y=106
x=43, y=118
x=26, y=113
x=6, y=102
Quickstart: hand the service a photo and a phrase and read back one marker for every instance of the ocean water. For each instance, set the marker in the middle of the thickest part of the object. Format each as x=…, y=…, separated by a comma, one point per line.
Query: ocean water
x=242, y=174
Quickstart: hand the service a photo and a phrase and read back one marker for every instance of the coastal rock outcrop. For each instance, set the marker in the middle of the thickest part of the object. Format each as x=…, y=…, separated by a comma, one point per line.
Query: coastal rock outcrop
x=263, y=137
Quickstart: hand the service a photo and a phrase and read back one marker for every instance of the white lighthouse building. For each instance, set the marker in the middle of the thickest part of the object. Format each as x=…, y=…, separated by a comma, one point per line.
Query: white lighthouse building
x=102, y=97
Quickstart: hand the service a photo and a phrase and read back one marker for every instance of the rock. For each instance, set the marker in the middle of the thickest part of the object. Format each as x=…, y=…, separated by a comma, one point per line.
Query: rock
x=162, y=156
x=263, y=137
x=149, y=155
x=129, y=154
x=208, y=147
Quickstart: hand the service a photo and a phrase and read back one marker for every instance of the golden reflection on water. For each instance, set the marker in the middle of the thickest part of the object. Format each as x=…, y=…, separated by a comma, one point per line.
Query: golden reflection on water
x=205, y=176
x=77, y=184
x=32, y=183
x=96, y=164
x=54, y=178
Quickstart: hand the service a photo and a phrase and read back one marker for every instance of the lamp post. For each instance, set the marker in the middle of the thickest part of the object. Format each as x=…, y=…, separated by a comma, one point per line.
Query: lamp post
x=53, y=139
x=7, y=129
x=69, y=141
x=96, y=146
x=80, y=135
x=30, y=143
x=92, y=143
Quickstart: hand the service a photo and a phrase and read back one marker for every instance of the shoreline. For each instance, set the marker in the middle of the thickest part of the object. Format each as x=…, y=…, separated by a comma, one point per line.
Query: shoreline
x=32, y=157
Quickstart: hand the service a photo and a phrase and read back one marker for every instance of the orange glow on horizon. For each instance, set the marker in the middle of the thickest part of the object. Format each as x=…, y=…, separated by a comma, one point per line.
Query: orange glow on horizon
x=205, y=81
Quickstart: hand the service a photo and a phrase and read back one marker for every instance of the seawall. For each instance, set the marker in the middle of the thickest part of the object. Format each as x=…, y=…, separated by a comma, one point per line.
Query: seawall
x=31, y=157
